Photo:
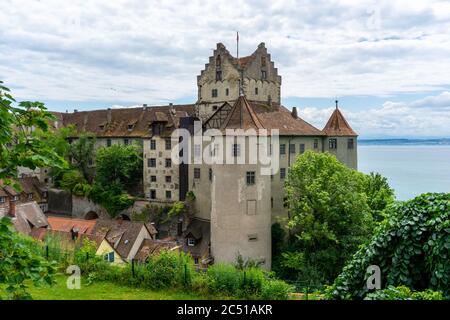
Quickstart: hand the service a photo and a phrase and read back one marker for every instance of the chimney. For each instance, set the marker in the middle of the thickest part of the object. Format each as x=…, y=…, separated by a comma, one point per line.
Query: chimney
x=74, y=233
x=108, y=115
x=75, y=110
x=294, y=113
x=180, y=227
x=12, y=208
x=144, y=106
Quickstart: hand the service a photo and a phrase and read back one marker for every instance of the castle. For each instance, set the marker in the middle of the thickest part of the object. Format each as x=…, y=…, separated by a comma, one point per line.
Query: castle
x=235, y=204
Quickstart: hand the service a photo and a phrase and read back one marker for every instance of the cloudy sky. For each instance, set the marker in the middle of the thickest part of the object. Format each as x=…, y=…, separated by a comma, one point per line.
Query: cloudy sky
x=388, y=62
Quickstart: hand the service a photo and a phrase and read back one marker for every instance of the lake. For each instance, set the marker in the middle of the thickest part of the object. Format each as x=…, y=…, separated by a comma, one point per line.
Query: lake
x=411, y=170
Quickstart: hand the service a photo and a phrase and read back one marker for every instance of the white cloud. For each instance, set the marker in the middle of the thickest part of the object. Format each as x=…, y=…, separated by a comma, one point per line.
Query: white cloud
x=151, y=51
x=429, y=116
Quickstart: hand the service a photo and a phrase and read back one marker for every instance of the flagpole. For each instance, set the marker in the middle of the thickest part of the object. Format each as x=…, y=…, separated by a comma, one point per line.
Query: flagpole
x=237, y=44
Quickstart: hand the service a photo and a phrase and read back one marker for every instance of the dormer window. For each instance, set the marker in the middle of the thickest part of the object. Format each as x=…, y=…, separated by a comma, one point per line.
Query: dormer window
x=130, y=127
x=191, y=242
x=102, y=127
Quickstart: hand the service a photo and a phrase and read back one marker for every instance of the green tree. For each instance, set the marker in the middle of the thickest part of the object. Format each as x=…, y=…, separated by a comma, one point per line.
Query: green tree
x=329, y=216
x=82, y=154
x=22, y=146
x=379, y=194
x=120, y=165
x=20, y=143
x=411, y=247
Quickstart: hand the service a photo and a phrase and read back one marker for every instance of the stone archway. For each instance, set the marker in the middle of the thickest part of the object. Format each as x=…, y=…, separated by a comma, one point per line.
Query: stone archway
x=91, y=215
x=125, y=217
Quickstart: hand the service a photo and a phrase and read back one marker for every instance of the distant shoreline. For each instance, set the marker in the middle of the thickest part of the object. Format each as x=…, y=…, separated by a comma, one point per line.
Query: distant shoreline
x=405, y=142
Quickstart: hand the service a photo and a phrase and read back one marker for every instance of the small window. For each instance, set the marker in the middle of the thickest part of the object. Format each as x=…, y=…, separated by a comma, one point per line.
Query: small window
x=282, y=149
x=285, y=202
x=252, y=237
x=214, y=93
x=271, y=202
x=109, y=257
x=168, y=179
x=191, y=242
x=126, y=141
x=102, y=127
x=196, y=260
x=316, y=143
x=282, y=173
x=332, y=143
x=214, y=108
x=218, y=75
x=153, y=144
x=108, y=142
x=152, y=178
x=15, y=198
x=236, y=152
x=218, y=61
x=292, y=148
x=250, y=177
x=152, y=194
x=196, y=173
x=168, y=163
x=263, y=61
x=30, y=196
x=2, y=199
x=151, y=162
x=168, y=194
x=302, y=148
x=350, y=143
x=130, y=127
x=256, y=91
x=263, y=74
x=210, y=174
x=227, y=91
x=168, y=144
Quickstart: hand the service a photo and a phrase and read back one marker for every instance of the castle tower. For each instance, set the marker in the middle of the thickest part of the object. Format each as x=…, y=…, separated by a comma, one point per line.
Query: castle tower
x=222, y=77
x=341, y=139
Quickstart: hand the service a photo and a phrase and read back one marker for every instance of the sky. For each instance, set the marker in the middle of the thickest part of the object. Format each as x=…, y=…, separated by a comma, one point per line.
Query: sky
x=387, y=62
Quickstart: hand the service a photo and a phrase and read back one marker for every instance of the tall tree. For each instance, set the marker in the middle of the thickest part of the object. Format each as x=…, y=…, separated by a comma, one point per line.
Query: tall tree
x=20, y=146
x=329, y=216
x=82, y=154
x=120, y=165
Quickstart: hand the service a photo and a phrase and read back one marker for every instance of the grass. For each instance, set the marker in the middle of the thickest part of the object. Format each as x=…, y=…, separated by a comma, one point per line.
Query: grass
x=104, y=291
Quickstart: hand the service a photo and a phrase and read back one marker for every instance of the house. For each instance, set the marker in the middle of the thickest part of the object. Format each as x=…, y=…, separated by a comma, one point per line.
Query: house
x=122, y=239
x=75, y=227
x=150, y=247
x=28, y=218
x=196, y=240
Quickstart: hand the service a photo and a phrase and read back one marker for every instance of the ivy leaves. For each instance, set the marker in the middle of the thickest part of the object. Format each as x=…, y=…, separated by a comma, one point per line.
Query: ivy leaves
x=411, y=246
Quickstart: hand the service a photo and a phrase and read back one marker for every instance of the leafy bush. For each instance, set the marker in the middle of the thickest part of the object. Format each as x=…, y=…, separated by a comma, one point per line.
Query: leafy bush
x=223, y=278
x=276, y=290
x=403, y=293
x=411, y=247
x=20, y=260
x=251, y=283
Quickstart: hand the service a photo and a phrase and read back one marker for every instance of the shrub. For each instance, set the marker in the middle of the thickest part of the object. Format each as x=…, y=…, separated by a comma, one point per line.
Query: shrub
x=275, y=290
x=223, y=278
x=411, y=247
x=251, y=283
x=403, y=293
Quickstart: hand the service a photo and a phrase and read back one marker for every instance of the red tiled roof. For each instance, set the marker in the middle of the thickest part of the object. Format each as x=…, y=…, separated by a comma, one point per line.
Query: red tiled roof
x=338, y=126
x=66, y=224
